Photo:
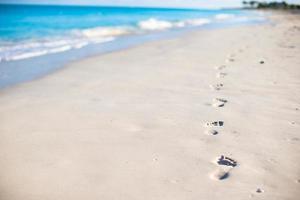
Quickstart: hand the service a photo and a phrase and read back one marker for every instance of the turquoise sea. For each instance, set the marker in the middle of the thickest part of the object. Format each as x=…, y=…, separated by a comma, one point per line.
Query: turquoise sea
x=31, y=35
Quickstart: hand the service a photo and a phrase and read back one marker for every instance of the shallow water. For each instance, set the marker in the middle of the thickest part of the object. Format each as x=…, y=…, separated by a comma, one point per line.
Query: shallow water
x=32, y=36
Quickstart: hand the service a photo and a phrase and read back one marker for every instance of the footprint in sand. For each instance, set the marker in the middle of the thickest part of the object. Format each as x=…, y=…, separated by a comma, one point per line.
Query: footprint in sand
x=221, y=67
x=219, y=102
x=216, y=86
x=225, y=164
x=221, y=75
x=211, y=132
x=214, y=124
x=229, y=60
x=259, y=190
x=224, y=160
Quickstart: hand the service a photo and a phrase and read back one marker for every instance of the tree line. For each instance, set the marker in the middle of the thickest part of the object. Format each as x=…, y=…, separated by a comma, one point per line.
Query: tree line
x=272, y=5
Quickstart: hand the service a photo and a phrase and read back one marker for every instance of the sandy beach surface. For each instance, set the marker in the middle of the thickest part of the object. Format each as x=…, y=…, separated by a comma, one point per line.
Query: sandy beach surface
x=214, y=114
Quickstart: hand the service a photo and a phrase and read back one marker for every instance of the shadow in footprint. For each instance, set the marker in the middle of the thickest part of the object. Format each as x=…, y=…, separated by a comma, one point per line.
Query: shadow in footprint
x=212, y=132
x=230, y=60
x=218, y=102
x=224, y=160
x=220, y=99
x=226, y=165
x=221, y=67
x=220, y=174
x=215, y=123
x=216, y=86
x=221, y=75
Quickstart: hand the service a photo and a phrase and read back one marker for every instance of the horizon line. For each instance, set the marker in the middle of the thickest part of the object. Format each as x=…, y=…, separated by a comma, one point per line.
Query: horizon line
x=121, y=6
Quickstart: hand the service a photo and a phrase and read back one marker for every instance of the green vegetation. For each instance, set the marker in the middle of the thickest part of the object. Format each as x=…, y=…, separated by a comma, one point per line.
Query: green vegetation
x=270, y=5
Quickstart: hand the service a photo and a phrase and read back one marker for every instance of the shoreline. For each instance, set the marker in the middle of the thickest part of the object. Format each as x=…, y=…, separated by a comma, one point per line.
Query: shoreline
x=213, y=114
x=24, y=70
x=168, y=35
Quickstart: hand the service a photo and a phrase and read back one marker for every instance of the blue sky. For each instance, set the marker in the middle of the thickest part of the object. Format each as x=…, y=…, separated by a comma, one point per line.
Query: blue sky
x=147, y=3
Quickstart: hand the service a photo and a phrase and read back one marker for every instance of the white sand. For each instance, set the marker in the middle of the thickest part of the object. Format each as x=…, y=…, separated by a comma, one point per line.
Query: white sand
x=130, y=125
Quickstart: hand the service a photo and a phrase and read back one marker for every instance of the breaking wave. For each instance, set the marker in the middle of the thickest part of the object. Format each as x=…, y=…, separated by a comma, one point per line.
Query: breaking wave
x=79, y=38
x=28, y=49
x=75, y=39
x=153, y=24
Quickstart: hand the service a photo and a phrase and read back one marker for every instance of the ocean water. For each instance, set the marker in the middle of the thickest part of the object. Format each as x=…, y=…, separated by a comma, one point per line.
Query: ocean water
x=29, y=32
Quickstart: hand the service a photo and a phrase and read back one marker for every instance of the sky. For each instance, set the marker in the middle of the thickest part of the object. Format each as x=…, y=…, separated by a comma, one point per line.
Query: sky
x=143, y=3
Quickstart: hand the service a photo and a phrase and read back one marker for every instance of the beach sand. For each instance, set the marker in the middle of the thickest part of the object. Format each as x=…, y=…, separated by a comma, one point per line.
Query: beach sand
x=213, y=114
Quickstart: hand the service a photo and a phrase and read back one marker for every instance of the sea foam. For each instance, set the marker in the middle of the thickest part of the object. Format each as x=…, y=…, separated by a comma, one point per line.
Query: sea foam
x=79, y=38
x=154, y=24
x=105, y=32
x=224, y=16
x=29, y=49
